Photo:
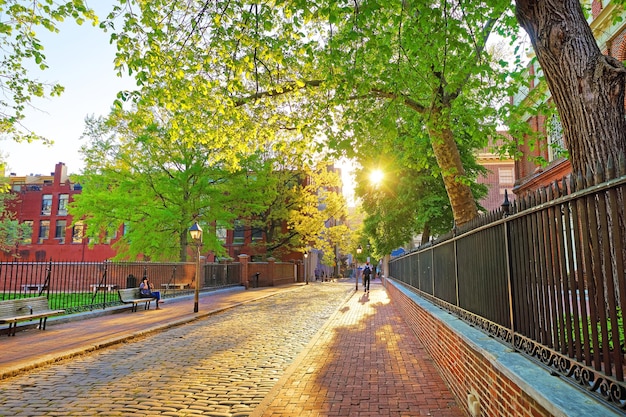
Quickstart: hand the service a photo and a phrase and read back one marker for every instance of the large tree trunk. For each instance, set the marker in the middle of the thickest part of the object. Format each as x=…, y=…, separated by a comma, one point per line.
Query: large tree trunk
x=587, y=87
x=588, y=90
x=449, y=160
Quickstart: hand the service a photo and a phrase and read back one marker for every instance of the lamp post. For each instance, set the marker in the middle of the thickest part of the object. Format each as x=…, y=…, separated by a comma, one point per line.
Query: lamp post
x=306, y=277
x=356, y=270
x=196, y=234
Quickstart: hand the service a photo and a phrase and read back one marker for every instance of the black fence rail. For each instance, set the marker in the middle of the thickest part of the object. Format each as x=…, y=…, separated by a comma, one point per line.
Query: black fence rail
x=83, y=286
x=220, y=275
x=544, y=275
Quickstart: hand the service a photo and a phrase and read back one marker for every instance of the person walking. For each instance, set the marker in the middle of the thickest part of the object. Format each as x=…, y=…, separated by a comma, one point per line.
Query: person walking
x=367, y=272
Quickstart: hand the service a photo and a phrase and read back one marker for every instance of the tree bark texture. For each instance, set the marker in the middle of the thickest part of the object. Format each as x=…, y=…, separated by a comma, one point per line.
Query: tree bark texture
x=587, y=87
x=448, y=158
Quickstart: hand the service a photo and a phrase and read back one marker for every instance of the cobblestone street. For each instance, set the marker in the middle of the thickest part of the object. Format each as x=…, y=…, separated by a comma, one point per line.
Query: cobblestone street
x=223, y=365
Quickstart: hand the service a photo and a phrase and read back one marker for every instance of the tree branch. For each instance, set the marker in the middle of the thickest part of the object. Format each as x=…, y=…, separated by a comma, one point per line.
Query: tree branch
x=293, y=86
x=410, y=103
x=278, y=91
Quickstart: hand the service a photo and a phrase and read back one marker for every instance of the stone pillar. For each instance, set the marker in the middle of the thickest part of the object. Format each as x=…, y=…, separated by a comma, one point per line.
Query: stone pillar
x=244, y=278
x=271, y=268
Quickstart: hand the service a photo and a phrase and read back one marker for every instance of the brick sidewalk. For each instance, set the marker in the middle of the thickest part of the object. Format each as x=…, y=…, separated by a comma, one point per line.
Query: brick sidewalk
x=365, y=362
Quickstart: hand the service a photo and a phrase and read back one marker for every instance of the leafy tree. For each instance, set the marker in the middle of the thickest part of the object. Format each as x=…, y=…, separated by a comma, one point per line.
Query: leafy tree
x=307, y=209
x=323, y=224
x=21, y=48
x=411, y=199
x=322, y=68
x=140, y=178
x=285, y=193
x=587, y=87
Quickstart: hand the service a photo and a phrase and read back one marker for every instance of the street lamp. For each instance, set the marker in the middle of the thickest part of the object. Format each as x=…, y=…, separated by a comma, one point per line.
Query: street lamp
x=306, y=277
x=196, y=234
x=356, y=270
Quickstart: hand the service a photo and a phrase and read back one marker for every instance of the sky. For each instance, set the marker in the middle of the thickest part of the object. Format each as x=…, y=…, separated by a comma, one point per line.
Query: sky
x=81, y=59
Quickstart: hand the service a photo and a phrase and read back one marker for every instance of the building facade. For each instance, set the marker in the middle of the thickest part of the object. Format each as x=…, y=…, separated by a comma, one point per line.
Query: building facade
x=42, y=203
x=500, y=176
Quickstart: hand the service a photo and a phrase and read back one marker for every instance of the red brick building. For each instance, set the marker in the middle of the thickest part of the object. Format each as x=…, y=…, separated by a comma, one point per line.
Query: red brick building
x=500, y=177
x=42, y=202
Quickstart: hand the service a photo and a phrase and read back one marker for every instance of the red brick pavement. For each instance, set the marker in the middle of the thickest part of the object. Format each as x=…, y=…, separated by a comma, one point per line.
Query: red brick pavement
x=366, y=361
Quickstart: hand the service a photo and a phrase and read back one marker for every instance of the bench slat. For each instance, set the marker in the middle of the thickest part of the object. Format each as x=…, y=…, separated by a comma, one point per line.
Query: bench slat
x=25, y=309
x=133, y=296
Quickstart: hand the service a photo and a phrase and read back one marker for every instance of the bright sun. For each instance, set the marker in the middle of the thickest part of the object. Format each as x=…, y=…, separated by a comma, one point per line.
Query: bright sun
x=376, y=177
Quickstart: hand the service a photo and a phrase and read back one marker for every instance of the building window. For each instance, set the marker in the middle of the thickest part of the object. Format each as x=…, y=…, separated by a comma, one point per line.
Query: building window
x=556, y=144
x=257, y=234
x=28, y=238
x=78, y=233
x=220, y=233
x=238, y=233
x=505, y=176
x=59, y=231
x=46, y=205
x=44, y=230
x=109, y=236
x=63, y=200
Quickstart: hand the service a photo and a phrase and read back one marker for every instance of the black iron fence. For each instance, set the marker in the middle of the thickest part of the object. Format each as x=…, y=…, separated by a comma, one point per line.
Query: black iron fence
x=544, y=275
x=83, y=286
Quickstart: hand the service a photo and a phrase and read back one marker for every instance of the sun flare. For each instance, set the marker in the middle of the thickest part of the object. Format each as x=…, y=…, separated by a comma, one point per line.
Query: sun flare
x=376, y=177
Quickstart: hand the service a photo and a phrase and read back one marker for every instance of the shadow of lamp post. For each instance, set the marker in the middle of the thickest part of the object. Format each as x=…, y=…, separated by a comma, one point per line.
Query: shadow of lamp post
x=356, y=265
x=196, y=234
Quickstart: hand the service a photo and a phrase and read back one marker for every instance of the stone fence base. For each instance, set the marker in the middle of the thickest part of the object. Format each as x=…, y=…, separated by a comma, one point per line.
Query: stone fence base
x=488, y=378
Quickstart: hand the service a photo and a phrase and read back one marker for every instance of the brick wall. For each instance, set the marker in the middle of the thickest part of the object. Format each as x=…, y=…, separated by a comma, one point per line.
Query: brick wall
x=271, y=273
x=493, y=376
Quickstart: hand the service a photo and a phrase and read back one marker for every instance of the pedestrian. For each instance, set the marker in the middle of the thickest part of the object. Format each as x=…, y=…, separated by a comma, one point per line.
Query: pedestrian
x=367, y=272
x=145, y=290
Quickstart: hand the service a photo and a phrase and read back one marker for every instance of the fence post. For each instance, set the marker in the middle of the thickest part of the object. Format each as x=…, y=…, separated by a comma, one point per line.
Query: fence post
x=432, y=269
x=506, y=209
x=243, y=278
x=456, y=271
x=509, y=283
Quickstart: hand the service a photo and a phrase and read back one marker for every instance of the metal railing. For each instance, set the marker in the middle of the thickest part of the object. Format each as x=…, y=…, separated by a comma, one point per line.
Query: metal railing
x=544, y=275
x=84, y=286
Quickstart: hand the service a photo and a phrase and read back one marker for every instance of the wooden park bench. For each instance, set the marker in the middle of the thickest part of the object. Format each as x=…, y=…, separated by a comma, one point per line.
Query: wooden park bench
x=133, y=296
x=103, y=287
x=180, y=286
x=25, y=309
x=34, y=287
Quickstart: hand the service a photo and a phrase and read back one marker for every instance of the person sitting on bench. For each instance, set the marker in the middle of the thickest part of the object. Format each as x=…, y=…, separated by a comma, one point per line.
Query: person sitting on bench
x=145, y=289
